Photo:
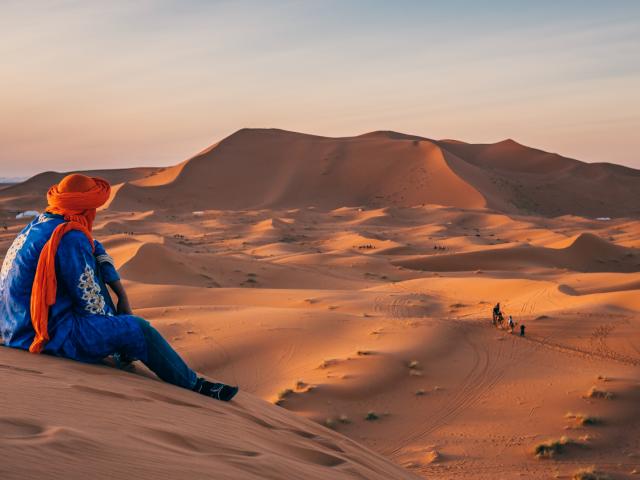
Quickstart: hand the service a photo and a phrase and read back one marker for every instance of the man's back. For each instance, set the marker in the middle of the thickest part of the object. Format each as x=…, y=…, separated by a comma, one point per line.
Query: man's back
x=16, y=280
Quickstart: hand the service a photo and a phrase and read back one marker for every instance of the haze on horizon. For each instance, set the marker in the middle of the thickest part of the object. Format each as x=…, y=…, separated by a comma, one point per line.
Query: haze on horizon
x=88, y=85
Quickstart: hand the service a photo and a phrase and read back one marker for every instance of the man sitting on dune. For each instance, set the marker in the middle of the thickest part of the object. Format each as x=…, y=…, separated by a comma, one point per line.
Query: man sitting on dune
x=54, y=299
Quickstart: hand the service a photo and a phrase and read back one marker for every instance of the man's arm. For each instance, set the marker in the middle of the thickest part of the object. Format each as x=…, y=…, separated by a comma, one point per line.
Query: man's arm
x=124, y=307
x=112, y=279
x=77, y=269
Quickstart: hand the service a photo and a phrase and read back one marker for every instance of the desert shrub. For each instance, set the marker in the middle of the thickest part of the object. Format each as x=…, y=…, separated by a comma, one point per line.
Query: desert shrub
x=590, y=474
x=551, y=448
x=594, y=392
x=371, y=416
x=285, y=393
x=582, y=419
x=363, y=353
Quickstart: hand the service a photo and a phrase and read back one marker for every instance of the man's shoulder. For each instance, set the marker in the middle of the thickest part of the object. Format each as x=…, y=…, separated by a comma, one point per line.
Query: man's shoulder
x=75, y=239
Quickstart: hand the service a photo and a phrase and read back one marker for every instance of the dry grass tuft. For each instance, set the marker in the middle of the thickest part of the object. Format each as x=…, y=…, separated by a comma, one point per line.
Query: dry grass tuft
x=371, y=416
x=330, y=423
x=329, y=363
x=414, y=364
x=551, y=448
x=363, y=353
x=590, y=474
x=283, y=395
x=584, y=420
x=344, y=419
x=594, y=392
x=432, y=456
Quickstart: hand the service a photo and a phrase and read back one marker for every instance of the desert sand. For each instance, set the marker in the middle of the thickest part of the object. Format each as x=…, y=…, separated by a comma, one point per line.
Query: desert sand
x=346, y=284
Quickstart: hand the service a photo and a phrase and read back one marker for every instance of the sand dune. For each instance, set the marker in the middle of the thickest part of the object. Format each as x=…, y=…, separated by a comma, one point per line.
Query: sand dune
x=153, y=263
x=539, y=182
x=268, y=168
x=125, y=425
x=587, y=253
x=31, y=194
x=274, y=168
x=350, y=281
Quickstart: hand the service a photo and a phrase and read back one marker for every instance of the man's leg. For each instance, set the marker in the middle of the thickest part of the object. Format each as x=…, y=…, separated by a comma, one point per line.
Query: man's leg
x=163, y=360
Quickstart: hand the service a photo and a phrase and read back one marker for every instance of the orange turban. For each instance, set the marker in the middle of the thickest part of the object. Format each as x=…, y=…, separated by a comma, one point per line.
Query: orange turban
x=76, y=197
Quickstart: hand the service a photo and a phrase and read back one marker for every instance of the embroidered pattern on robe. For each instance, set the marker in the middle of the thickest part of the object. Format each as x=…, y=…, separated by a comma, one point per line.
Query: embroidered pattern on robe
x=91, y=292
x=11, y=256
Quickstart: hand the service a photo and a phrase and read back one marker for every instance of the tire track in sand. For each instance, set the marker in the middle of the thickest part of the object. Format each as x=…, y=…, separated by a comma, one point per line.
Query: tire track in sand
x=487, y=366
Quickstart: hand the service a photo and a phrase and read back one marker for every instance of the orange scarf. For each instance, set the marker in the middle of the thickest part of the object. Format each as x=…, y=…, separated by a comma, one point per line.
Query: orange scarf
x=79, y=211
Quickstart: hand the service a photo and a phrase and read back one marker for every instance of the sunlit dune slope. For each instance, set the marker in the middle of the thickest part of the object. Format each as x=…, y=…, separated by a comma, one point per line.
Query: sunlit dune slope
x=97, y=422
x=274, y=168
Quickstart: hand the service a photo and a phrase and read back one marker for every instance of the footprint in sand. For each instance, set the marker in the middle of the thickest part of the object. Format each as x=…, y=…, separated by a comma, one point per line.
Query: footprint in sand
x=191, y=445
x=314, y=456
x=166, y=399
x=19, y=369
x=316, y=438
x=108, y=393
x=255, y=420
x=19, y=429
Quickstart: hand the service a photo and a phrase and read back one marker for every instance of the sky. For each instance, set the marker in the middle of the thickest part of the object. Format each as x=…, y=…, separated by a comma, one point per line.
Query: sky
x=87, y=85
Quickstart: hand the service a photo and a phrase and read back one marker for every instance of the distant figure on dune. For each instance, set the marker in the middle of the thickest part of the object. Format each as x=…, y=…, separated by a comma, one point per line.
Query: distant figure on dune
x=522, y=330
x=511, y=324
x=496, y=313
x=54, y=298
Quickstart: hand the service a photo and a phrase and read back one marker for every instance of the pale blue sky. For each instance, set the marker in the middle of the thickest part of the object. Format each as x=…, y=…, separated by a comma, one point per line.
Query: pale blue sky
x=106, y=84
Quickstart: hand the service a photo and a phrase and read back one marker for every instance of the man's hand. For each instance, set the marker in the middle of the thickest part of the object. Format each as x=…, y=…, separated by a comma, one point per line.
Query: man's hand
x=124, y=307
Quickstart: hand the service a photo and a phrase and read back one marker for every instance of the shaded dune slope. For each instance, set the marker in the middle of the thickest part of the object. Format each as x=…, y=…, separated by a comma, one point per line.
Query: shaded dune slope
x=534, y=181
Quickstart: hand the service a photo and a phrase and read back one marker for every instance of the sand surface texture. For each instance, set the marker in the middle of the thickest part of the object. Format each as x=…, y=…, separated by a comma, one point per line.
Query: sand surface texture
x=346, y=285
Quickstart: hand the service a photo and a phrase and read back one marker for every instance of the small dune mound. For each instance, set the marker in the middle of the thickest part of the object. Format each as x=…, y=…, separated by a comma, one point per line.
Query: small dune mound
x=156, y=264
x=587, y=243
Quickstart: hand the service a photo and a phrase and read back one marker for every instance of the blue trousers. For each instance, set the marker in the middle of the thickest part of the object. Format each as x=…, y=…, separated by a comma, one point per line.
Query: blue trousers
x=164, y=361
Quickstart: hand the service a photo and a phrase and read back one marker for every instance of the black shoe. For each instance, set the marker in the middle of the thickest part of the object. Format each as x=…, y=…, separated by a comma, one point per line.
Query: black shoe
x=123, y=362
x=219, y=391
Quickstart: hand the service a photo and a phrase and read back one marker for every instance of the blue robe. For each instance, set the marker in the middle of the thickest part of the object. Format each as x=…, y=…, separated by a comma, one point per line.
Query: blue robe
x=83, y=324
